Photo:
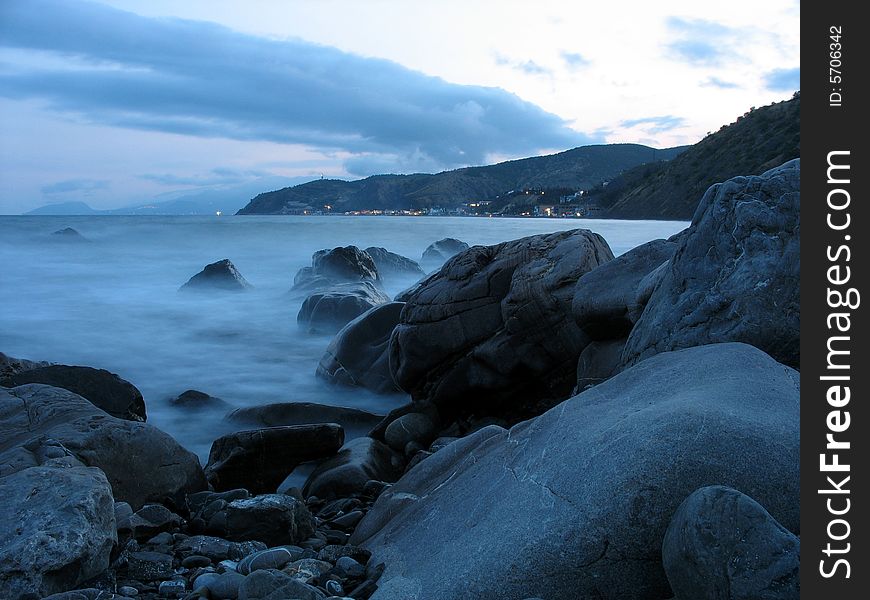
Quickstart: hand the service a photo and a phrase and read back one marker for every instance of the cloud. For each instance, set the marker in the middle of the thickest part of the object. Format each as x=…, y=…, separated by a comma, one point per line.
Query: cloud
x=218, y=176
x=719, y=83
x=783, y=80
x=574, y=60
x=701, y=42
x=81, y=186
x=200, y=79
x=529, y=67
x=655, y=124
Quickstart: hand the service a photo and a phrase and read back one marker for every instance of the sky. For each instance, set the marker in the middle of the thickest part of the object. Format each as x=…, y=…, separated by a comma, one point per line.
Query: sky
x=118, y=102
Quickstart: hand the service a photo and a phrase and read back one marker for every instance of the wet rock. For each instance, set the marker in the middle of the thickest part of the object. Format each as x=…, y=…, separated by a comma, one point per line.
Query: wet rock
x=149, y=520
x=220, y=275
x=259, y=460
x=437, y=253
x=356, y=463
x=307, y=570
x=195, y=400
x=339, y=265
x=598, y=362
x=296, y=590
x=354, y=421
x=391, y=265
x=329, y=310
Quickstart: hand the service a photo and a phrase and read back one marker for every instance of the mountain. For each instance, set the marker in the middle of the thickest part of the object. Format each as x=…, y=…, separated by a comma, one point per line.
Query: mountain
x=64, y=209
x=759, y=140
x=580, y=168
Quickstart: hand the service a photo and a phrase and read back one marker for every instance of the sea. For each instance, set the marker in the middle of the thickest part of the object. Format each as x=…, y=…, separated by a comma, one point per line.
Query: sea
x=111, y=300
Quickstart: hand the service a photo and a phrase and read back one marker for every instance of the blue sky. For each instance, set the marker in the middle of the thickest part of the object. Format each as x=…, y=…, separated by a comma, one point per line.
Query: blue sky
x=118, y=102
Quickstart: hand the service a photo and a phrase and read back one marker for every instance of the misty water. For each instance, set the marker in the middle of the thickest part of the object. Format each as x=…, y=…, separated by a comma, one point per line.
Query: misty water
x=112, y=302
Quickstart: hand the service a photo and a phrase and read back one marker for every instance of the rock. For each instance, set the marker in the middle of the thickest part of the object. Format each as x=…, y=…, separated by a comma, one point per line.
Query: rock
x=296, y=590
x=259, y=460
x=142, y=463
x=335, y=553
x=149, y=566
x=195, y=561
x=260, y=584
x=307, y=570
x=359, y=354
x=220, y=586
x=339, y=265
x=723, y=544
x=273, y=558
x=585, y=492
x=391, y=265
x=149, y=520
x=354, y=421
x=360, y=460
x=329, y=310
x=273, y=519
x=350, y=567
x=217, y=549
x=735, y=275
x=90, y=594
x=492, y=333
x=412, y=427
x=58, y=529
x=220, y=275
x=334, y=588
x=68, y=234
x=10, y=365
x=126, y=590
x=103, y=389
x=171, y=589
x=598, y=362
x=196, y=400
x=437, y=253
x=606, y=303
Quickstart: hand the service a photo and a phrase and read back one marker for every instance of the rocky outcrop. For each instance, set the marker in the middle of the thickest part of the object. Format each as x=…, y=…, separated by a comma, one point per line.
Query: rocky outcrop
x=58, y=529
x=346, y=264
x=220, y=275
x=354, y=421
x=492, y=331
x=103, y=389
x=735, y=275
x=437, y=253
x=9, y=365
x=723, y=544
x=142, y=463
x=359, y=354
x=359, y=461
x=394, y=266
x=260, y=459
x=328, y=311
x=575, y=503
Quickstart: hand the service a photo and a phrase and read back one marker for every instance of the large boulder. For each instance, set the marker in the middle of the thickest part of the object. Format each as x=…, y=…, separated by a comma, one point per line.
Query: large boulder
x=575, y=503
x=437, y=253
x=220, y=275
x=722, y=544
x=142, y=463
x=359, y=354
x=492, y=331
x=394, y=266
x=259, y=459
x=354, y=421
x=735, y=275
x=103, y=389
x=346, y=264
x=360, y=460
x=274, y=519
x=58, y=529
x=330, y=310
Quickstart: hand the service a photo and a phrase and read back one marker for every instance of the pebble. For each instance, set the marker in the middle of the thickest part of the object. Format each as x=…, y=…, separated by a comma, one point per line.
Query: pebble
x=171, y=589
x=334, y=588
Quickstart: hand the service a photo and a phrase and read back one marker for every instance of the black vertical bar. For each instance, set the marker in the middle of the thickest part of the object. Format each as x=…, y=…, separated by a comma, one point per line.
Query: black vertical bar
x=835, y=223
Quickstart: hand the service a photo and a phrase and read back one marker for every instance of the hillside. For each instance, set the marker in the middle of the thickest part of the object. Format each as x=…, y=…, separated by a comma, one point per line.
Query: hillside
x=759, y=140
x=579, y=168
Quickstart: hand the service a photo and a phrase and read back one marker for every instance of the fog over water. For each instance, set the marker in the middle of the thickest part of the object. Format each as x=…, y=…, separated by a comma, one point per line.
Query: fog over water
x=112, y=302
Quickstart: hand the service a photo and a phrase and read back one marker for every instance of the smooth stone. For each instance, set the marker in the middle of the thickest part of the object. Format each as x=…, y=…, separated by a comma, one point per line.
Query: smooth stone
x=296, y=590
x=307, y=569
x=260, y=584
x=391, y=265
x=412, y=427
x=223, y=586
x=335, y=553
x=273, y=558
x=217, y=549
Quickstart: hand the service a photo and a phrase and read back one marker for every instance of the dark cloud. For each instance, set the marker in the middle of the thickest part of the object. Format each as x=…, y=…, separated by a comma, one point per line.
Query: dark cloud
x=783, y=80
x=575, y=60
x=201, y=79
x=701, y=42
x=80, y=186
x=218, y=176
x=656, y=124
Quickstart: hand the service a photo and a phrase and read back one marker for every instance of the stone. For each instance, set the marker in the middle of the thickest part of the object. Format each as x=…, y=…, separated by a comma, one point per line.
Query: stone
x=217, y=549
x=126, y=590
x=358, y=355
x=606, y=302
x=273, y=558
x=307, y=570
x=735, y=275
x=358, y=461
x=9, y=365
x=195, y=561
x=412, y=427
x=334, y=588
x=103, y=389
x=273, y=519
x=339, y=265
x=223, y=586
x=394, y=266
x=598, y=362
x=354, y=421
x=595, y=480
x=329, y=310
x=492, y=331
x=171, y=589
x=437, y=253
x=68, y=234
x=296, y=590
x=87, y=594
x=350, y=567
x=194, y=400
x=150, y=520
x=260, y=584
x=221, y=275
x=58, y=529
x=259, y=460
x=124, y=450
x=723, y=544
x=335, y=553
x=149, y=566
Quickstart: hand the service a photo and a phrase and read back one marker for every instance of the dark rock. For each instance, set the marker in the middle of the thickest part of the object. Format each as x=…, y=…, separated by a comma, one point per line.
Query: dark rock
x=296, y=590
x=735, y=275
x=339, y=265
x=596, y=481
x=392, y=265
x=149, y=566
x=196, y=400
x=220, y=275
x=335, y=553
x=273, y=558
x=307, y=570
x=124, y=450
x=347, y=521
x=171, y=589
x=68, y=234
x=350, y=567
x=260, y=584
x=85, y=594
x=598, y=362
x=360, y=460
x=273, y=519
x=103, y=389
x=329, y=310
x=355, y=422
x=10, y=365
x=492, y=331
x=195, y=561
x=57, y=529
x=259, y=460
x=334, y=588
x=217, y=549
x=149, y=520
x=606, y=302
x=359, y=354
x=723, y=544
x=412, y=427
x=437, y=253
x=364, y=590
x=224, y=585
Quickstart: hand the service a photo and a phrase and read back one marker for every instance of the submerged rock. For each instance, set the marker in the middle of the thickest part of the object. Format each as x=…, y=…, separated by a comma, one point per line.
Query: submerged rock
x=392, y=265
x=328, y=311
x=346, y=264
x=220, y=275
x=68, y=234
x=585, y=492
